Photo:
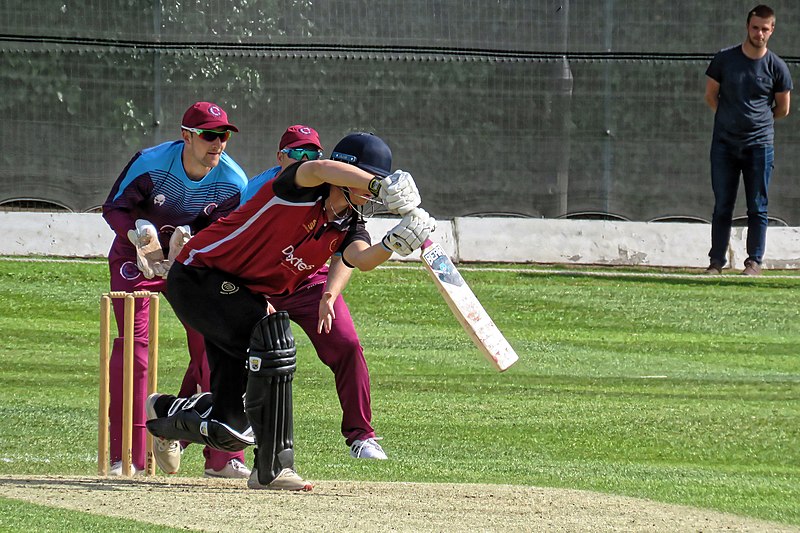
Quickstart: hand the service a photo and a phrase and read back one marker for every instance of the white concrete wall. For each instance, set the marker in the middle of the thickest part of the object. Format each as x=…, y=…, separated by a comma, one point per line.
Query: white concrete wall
x=500, y=240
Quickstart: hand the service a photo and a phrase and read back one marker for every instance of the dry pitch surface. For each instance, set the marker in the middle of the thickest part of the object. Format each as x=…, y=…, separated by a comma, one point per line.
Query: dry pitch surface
x=225, y=505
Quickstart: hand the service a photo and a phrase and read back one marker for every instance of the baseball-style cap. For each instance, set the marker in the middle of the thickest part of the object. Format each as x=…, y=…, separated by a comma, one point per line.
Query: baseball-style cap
x=207, y=116
x=299, y=135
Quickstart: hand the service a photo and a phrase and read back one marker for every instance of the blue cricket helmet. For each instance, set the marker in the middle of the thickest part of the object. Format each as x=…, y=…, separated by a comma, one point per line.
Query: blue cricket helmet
x=365, y=150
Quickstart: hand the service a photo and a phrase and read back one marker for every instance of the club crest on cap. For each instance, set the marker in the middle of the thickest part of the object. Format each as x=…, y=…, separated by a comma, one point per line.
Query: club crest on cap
x=214, y=110
x=305, y=130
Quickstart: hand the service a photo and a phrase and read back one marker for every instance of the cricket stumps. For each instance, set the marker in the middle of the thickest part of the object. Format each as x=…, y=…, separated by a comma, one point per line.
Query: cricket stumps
x=127, y=378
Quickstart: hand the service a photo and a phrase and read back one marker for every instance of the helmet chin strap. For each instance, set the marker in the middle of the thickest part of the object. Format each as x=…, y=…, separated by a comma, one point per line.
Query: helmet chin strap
x=374, y=205
x=346, y=193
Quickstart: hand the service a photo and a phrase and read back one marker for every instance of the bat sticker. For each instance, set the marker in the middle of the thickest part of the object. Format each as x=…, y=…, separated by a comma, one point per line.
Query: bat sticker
x=466, y=307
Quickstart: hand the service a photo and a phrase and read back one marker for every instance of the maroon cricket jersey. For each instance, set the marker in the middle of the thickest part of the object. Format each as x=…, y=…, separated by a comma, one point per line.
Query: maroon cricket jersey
x=277, y=239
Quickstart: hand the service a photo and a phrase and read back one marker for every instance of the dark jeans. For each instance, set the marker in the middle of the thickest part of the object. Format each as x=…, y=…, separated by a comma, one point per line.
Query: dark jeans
x=754, y=164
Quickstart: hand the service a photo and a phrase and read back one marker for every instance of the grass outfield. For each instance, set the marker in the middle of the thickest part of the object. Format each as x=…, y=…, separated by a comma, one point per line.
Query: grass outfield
x=680, y=389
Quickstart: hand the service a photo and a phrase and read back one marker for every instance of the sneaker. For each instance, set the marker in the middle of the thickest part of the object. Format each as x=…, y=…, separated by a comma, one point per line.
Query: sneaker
x=713, y=269
x=233, y=469
x=367, y=449
x=116, y=469
x=167, y=452
x=287, y=479
x=751, y=268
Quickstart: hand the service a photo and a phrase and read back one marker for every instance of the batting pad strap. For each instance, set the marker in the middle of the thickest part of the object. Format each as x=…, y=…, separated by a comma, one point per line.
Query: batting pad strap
x=188, y=420
x=272, y=349
x=191, y=427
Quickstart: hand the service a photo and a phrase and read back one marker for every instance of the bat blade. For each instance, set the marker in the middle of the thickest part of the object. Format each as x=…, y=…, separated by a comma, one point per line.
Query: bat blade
x=466, y=307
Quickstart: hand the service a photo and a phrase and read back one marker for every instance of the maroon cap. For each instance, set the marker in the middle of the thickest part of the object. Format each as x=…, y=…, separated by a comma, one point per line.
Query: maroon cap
x=299, y=135
x=207, y=116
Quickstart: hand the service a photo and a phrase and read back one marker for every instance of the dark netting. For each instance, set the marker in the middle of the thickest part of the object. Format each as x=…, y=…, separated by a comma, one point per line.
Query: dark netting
x=538, y=108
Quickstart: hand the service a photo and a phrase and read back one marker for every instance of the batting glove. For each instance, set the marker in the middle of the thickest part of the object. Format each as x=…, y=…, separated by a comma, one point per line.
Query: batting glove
x=410, y=233
x=397, y=191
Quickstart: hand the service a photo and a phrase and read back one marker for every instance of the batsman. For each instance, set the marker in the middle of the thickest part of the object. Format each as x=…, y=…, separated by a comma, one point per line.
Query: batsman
x=221, y=284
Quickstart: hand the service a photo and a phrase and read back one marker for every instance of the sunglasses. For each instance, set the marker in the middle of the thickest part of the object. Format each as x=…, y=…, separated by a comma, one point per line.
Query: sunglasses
x=210, y=135
x=299, y=153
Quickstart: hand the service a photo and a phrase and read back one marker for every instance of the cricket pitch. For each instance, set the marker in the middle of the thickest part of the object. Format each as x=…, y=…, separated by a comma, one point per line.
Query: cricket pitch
x=200, y=504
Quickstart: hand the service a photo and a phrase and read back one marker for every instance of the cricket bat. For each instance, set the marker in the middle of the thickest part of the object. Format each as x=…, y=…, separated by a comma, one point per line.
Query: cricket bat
x=466, y=307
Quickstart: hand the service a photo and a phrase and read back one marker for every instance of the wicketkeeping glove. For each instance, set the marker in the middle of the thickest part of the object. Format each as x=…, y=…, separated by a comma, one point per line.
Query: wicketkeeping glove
x=149, y=255
x=179, y=238
x=397, y=191
x=410, y=233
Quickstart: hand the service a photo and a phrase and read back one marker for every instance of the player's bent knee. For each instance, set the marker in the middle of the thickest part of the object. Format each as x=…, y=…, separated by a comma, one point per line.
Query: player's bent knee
x=188, y=419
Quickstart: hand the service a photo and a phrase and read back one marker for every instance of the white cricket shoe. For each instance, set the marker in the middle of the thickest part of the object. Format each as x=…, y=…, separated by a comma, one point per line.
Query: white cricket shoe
x=116, y=469
x=167, y=452
x=367, y=449
x=287, y=479
x=233, y=469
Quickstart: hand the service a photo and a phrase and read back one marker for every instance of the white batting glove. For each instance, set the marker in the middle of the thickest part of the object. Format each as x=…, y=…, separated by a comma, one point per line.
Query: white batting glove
x=148, y=249
x=397, y=191
x=410, y=233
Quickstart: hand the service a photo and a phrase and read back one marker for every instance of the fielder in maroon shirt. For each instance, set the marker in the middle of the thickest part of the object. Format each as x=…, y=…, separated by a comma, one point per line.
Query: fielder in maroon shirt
x=227, y=274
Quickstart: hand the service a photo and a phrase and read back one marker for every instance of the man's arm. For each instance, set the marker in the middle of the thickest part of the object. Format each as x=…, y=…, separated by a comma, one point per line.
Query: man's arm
x=365, y=257
x=397, y=191
x=338, y=276
x=712, y=93
x=314, y=173
x=782, y=102
x=403, y=239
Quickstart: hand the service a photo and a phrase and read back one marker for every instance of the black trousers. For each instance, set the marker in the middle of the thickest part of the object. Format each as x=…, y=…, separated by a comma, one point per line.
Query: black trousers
x=224, y=311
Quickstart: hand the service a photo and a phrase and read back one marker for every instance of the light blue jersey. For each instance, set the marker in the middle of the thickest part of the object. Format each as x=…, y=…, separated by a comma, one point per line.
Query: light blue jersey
x=257, y=182
x=154, y=186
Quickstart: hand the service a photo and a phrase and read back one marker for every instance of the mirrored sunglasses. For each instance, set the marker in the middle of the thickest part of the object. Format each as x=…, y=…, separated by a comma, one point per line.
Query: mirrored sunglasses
x=300, y=153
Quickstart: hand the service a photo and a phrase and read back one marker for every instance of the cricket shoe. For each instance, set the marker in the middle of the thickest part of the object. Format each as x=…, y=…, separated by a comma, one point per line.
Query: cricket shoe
x=233, y=469
x=367, y=449
x=287, y=479
x=167, y=452
x=116, y=469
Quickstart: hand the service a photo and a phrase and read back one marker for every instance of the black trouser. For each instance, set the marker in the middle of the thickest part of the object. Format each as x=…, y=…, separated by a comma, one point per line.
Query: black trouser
x=224, y=311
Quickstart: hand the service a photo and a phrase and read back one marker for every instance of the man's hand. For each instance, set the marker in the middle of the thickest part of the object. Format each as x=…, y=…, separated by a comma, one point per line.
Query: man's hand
x=326, y=313
x=397, y=191
x=410, y=233
x=149, y=254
